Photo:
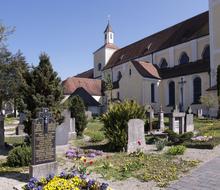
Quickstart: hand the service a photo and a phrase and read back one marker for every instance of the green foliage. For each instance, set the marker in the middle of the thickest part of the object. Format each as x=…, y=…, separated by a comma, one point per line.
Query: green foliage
x=199, y=145
x=176, y=150
x=175, y=139
x=160, y=144
x=41, y=89
x=151, y=139
x=116, y=121
x=19, y=156
x=77, y=109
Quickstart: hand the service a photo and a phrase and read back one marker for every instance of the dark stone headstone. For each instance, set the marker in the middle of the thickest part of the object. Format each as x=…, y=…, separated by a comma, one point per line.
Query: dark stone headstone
x=43, y=146
x=2, y=132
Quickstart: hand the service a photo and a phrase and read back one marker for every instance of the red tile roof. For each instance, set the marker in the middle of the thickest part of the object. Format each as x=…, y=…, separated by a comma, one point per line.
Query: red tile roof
x=146, y=69
x=92, y=86
x=86, y=74
x=190, y=29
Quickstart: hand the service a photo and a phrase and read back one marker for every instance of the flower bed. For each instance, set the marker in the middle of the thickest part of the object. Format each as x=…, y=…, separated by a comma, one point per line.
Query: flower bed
x=77, y=153
x=72, y=181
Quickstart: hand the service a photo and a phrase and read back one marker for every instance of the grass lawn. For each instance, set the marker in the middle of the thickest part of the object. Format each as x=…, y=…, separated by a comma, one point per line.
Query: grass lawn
x=160, y=168
x=15, y=140
x=95, y=130
x=207, y=127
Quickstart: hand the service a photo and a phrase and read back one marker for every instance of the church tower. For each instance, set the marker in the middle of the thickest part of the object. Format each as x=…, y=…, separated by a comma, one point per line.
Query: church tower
x=214, y=33
x=104, y=53
x=109, y=34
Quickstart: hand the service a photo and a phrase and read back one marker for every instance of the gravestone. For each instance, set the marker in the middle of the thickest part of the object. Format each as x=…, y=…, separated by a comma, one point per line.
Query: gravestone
x=72, y=132
x=20, y=127
x=161, y=125
x=88, y=115
x=43, y=145
x=136, y=138
x=66, y=130
x=177, y=121
x=200, y=113
x=2, y=132
x=189, y=125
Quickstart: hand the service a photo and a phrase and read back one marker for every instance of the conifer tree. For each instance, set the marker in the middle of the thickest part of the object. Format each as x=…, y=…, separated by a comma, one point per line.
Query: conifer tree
x=42, y=89
x=77, y=110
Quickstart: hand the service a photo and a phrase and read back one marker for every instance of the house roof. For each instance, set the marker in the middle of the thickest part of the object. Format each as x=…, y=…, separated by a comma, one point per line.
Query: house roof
x=108, y=45
x=92, y=86
x=86, y=74
x=86, y=97
x=146, y=69
x=190, y=29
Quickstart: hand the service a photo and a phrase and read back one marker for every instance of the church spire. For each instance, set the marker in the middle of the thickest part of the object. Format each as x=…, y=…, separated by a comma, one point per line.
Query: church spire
x=109, y=34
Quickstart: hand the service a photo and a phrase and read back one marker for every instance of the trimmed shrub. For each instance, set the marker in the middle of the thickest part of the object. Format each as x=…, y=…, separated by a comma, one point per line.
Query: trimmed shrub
x=19, y=156
x=176, y=150
x=116, y=121
x=151, y=139
x=77, y=110
x=199, y=145
x=160, y=144
x=176, y=139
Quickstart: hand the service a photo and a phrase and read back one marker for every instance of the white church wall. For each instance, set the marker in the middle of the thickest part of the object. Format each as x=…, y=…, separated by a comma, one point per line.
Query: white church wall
x=99, y=57
x=108, y=53
x=158, y=56
x=214, y=27
x=201, y=44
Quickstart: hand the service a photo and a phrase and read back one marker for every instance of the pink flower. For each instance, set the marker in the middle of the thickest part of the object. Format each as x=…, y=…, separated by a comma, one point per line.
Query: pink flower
x=139, y=143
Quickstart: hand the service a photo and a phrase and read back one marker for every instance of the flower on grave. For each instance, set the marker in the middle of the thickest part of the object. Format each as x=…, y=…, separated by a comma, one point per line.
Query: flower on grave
x=82, y=158
x=91, y=155
x=91, y=162
x=139, y=143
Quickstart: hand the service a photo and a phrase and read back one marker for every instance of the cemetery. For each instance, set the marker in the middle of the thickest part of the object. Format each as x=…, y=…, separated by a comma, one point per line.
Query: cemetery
x=146, y=116
x=145, y=153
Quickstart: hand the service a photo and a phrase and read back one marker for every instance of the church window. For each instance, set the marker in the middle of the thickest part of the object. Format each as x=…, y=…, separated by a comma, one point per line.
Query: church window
x=99, y=67
x=119, y=75
x=163, y=63
x=171, y=93
x=110, y=36
x=197, y=90
x=184, y=58
x=130, y=72
x=206, y=53
x=152, y=92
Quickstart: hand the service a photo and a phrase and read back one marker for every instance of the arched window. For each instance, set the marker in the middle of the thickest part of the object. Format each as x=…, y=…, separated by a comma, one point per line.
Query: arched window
x=197, y=90
x=119, y=75
x=206, y=53
x=99, y=67
x=130, y=72
x=163, y=63
x=152, y=92
x=184, y=58
x=171, y=93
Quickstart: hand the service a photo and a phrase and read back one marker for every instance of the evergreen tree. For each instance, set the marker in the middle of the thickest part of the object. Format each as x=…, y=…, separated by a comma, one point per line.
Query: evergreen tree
x=42, y=89
x=218, y=89
x=77, y=110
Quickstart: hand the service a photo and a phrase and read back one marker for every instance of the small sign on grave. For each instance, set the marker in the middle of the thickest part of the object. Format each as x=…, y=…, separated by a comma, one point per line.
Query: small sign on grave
x=43, y=145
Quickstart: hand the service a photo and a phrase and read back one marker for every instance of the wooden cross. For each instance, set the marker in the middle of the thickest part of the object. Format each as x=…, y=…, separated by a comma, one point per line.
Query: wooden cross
x=45, y=115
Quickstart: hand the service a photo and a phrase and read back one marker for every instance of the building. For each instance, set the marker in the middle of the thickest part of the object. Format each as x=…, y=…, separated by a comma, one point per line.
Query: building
x=175, y=66
x=88, y=89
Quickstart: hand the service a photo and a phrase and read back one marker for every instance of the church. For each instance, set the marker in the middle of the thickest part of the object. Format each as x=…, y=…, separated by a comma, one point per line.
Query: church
x=175, y=66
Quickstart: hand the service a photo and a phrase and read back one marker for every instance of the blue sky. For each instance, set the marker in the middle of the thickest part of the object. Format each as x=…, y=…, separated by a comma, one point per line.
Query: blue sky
x=71, y=30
